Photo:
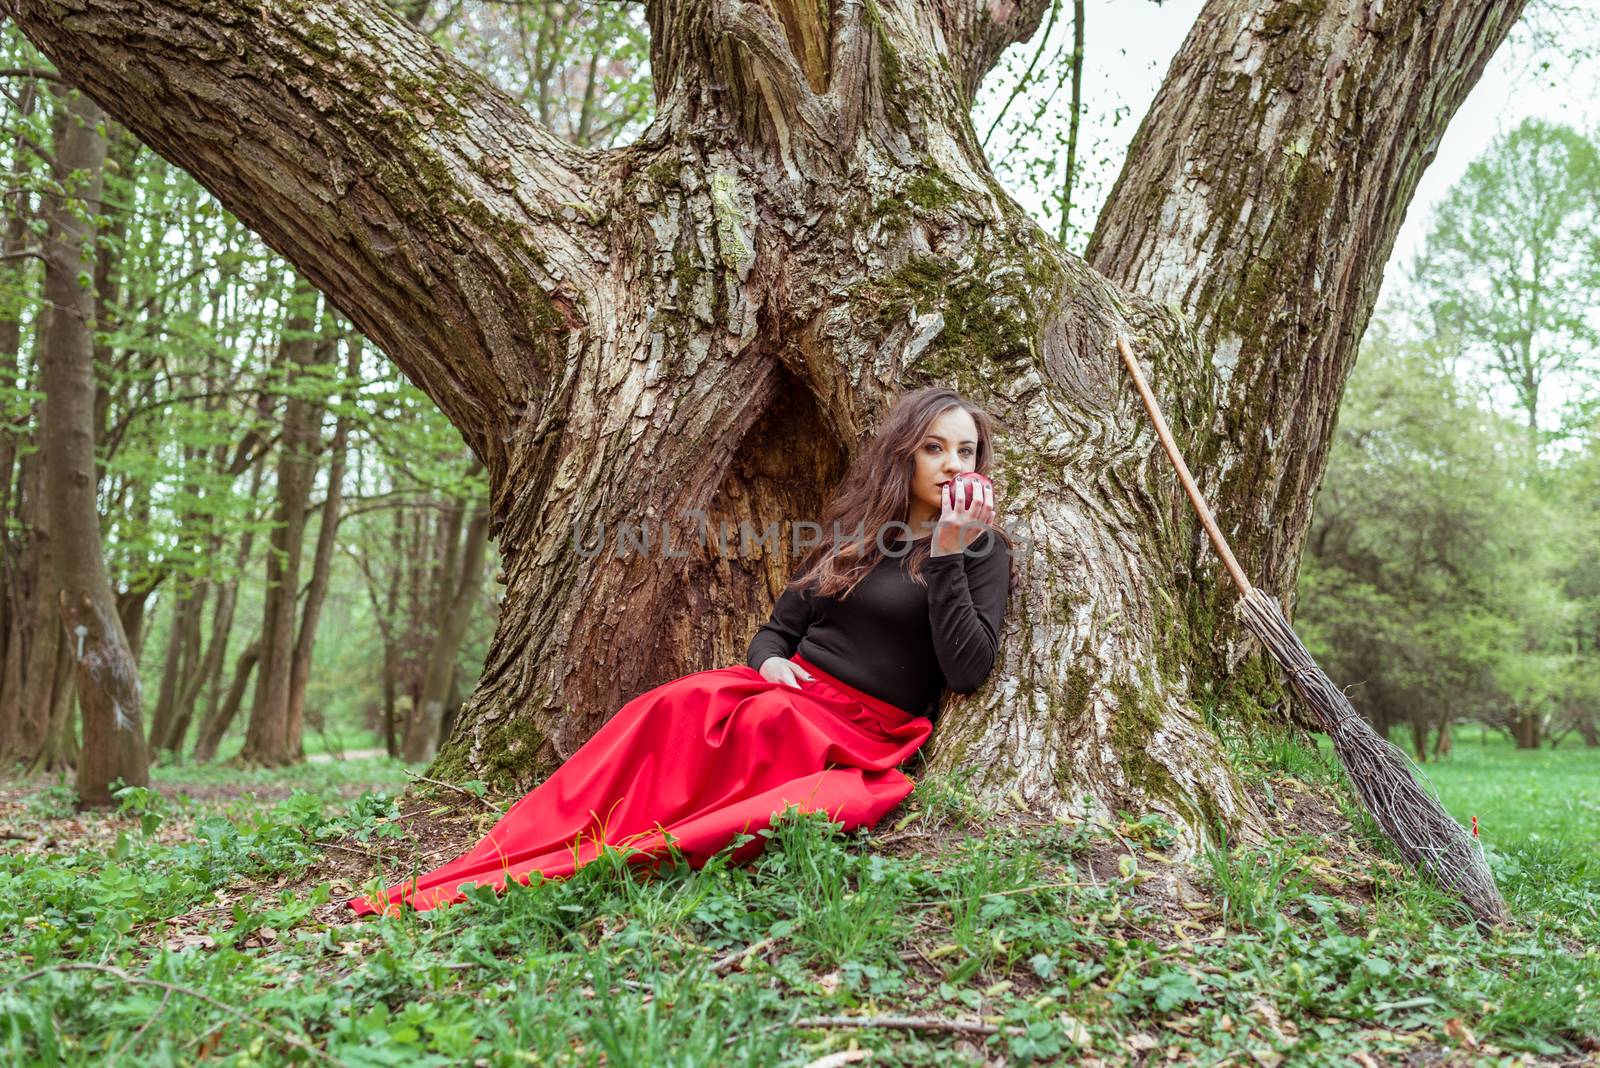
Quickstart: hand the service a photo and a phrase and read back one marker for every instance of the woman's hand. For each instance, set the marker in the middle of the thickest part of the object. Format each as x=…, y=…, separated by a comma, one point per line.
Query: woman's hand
x=780, y=669
x=960, y=523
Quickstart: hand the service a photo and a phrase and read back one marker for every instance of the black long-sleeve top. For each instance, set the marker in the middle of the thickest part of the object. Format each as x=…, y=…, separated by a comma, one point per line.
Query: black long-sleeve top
x=894, y=639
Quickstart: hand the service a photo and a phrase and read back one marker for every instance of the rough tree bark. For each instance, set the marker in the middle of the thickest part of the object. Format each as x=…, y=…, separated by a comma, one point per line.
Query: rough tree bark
x=106, y=673
x=713, y=317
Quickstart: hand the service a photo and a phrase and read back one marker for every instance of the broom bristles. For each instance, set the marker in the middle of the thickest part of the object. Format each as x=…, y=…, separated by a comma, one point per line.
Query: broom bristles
x=1425, y=834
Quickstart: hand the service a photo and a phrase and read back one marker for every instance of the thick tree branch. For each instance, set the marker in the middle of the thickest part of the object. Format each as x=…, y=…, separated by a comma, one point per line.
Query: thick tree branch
x=455, y=231
x=978, y=31
x=1262, y=196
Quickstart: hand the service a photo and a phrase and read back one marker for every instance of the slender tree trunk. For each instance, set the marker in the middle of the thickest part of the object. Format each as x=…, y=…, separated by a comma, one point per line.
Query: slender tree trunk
x=1443, y=742
x=322, y=559
x=27, y=565
x=211, y=670
x=12, y=426
x=384, y=606
x=422, y=736
x=60, y=751
x=1527, y=730
x=1070, y=173
x=186, y=685
x=176, y=664
x=12, y=653
x=211, y=735
x=391, y=647
x=267, y=735
x=30, y=677
x=714, y=317
x=1588, y=731
x=122, y=151
x=205, y=677
x=106, y=672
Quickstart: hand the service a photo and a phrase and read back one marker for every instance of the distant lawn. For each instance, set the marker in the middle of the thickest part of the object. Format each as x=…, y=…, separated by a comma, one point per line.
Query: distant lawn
x=1538, y=817
x=1525, y=797
x=338, y=739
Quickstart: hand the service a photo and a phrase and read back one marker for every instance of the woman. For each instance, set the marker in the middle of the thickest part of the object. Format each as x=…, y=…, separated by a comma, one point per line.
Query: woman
x=904, y=599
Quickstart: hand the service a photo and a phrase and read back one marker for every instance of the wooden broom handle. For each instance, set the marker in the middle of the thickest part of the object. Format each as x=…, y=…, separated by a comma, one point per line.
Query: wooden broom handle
x=1184, y=476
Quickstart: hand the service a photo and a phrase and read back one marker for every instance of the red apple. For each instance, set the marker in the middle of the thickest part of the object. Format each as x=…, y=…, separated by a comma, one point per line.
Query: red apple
x=970, y=480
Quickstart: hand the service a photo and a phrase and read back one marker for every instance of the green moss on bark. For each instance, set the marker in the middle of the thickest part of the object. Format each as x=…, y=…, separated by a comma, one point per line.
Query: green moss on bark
x=508, y=762
x=891, y=83
x=993, y=307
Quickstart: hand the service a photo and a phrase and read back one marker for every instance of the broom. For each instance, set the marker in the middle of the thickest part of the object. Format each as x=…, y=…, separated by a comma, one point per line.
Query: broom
x=1426, y=836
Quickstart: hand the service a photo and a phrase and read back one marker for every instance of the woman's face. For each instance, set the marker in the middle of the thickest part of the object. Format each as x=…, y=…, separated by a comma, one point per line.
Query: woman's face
x=949, y=447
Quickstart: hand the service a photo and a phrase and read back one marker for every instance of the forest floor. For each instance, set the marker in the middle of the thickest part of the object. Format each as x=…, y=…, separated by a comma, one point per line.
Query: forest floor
x=204, y=922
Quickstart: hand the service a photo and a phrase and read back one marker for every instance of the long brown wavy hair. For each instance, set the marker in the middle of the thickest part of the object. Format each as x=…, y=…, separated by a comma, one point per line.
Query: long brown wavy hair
x=876, y=493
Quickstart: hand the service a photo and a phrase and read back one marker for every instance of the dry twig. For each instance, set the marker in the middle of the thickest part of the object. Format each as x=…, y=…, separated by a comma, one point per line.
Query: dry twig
x=484, y=801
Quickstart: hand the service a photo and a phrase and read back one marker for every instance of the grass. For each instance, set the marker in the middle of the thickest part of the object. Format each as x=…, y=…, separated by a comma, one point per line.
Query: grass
x=335, y=740
x=1295, y=950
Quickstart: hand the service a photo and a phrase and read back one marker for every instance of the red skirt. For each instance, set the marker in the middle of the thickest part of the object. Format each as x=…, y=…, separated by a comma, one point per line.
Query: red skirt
x=692, y=763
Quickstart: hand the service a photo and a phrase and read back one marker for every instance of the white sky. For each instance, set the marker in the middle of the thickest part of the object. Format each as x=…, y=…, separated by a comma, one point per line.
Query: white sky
x=1130, y=43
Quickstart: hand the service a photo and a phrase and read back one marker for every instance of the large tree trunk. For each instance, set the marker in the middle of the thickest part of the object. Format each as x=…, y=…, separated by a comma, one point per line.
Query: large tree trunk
x=713, y=317
x=106, y=673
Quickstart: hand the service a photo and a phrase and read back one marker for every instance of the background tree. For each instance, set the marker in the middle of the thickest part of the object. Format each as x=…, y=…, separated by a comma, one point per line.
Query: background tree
x=104, y=667
x=1433, y=572
x=1513, y=262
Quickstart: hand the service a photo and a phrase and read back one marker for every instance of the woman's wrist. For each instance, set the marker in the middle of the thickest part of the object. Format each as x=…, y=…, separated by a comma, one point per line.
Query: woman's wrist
x=951, y=539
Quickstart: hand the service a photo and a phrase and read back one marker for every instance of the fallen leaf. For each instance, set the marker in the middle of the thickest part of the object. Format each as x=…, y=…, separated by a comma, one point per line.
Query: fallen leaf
x=1460, y=1032
x=834, y=1060
x=191, y=940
